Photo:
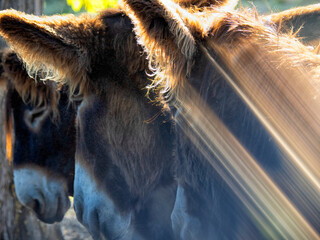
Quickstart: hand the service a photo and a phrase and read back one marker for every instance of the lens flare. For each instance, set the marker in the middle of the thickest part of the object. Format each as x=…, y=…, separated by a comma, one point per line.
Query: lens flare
x=285, y=101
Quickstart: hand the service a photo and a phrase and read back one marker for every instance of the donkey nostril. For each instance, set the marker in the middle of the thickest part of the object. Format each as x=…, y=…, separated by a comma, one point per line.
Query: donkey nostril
x=37, y=206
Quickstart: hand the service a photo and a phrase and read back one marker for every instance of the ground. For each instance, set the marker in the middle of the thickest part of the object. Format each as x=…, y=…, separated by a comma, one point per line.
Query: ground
x=72, y=229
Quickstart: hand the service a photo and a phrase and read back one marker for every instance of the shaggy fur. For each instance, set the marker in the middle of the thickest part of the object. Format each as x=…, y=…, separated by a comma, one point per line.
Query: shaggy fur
x=27, y=45
x=304, y=21
x=67, y=57
x=127, y=155
x=126, y=66
x=175, y=35
x=34, y=140
x=128, y=158
x=236, y=40
x=31, y=91
x=185, y=28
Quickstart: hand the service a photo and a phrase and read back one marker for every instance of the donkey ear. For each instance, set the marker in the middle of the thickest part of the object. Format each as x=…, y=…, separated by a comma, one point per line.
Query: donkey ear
x=303, y=20
x=158, y=24
x=57, y=42
x=29, y=90
x=166, y=30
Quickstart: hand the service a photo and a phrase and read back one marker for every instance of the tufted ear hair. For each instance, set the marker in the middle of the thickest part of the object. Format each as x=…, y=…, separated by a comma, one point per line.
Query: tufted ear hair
x=170, y=22
x=163, y=29
x=160, y=21
x=168, y=30
x=30, y=90
x=304, y=21
x=57, y=45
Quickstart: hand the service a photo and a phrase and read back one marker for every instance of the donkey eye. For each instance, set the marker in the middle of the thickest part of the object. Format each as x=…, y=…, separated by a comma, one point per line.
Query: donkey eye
x=36, y=115
x=35, y=118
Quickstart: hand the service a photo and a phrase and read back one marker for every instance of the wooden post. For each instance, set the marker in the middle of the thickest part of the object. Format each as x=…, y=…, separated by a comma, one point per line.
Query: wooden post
x=7, y=201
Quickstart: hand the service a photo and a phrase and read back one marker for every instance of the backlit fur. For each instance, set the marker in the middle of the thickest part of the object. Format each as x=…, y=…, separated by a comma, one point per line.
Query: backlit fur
x=72, y=63
x=237, y=39
x=31, y=91
x=303, y=21
x=129, y=157
x=222, y=27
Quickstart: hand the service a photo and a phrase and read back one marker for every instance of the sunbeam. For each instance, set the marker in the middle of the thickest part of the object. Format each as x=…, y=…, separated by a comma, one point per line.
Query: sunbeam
x=289, y=113
x=267, y=204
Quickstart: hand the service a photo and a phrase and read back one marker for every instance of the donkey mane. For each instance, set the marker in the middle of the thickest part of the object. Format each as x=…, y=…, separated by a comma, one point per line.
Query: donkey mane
x=217, y=26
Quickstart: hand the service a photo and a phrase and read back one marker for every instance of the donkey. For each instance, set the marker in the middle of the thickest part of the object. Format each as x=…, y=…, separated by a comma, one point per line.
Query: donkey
x=43, y=152
x=124, y=184
x=123, y=181
x=186, y=48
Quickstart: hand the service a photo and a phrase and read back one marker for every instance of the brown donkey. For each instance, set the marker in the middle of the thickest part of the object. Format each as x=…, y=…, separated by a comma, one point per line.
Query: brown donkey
x=225, y=71
x=123, y=183
x=42, y=150
x=124, y=186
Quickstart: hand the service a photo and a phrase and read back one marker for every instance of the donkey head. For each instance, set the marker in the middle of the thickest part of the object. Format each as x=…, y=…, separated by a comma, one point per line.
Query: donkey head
x=43, y=150
x=123, y=171
x=178, y=42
